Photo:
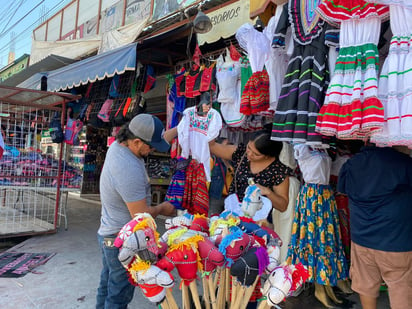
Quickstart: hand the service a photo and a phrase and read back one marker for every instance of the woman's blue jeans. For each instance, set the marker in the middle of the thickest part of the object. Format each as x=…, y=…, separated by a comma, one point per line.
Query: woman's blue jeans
x=115, y=290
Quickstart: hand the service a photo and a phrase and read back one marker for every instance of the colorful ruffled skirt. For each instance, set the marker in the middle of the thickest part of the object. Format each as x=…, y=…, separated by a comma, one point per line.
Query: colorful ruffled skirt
x=316, y=239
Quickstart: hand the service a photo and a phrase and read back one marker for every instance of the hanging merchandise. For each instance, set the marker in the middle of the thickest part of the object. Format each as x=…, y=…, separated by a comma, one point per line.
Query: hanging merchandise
x=84, y=107
x=278, y=58
x=228, y=78
x=307, y=77
x=194, y=134
x=352, y=109
x=190, y=80
x=206, y=79
x=105, y=110
x=1, y=145
x=255, y=95
x=55, y=129
x=117, y=118
x=316, y=240
x=114, y=86
x=150, y=79
x=395, y=87
x=195, y=195
x=72, y=129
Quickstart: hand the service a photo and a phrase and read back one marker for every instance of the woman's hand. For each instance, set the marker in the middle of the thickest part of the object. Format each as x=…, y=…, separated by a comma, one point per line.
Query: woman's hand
x=264, y=190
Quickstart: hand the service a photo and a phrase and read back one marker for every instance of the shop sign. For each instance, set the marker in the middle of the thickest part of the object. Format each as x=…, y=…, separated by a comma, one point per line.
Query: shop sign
x=18, y=65
x=226, y=21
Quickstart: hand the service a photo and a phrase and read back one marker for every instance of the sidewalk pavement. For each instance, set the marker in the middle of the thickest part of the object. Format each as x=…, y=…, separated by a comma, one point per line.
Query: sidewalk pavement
x=70, y=278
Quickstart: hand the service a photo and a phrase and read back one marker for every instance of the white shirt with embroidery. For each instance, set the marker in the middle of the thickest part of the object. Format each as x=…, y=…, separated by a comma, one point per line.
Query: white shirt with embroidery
x=195, y=132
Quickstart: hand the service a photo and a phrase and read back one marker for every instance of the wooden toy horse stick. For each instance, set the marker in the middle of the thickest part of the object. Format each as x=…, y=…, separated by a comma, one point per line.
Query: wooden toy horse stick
x=171, y=300
x=206, y=295
x=185, y=296
x=212, y=291
x=264, y=305
x=195, y=294
x=248, y=294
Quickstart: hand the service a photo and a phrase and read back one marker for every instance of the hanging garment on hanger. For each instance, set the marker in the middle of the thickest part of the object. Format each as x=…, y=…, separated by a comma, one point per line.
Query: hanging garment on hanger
x=228, y=78
x=255, y=95
x=277, y=61
x=352, y=109
x=395, y=88
x=305, y=83
x=195, y=132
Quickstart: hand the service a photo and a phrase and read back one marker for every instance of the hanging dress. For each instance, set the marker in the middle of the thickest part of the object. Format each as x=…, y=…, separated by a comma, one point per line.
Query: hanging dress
x=228, y=79
x=255, y=95
x=277, y=62
x=307, y=77
x=316, y=238
x=352, y=109
x=395, y=81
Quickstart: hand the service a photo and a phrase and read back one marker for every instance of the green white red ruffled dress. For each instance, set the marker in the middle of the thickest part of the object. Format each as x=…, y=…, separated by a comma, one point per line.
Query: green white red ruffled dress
x=395, y=80
x=352, y=109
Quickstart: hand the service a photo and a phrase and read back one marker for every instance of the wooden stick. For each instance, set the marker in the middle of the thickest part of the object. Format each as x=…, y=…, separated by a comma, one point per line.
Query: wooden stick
x=227, y=285
x=212, y=292
x=217, y=276
x=206, y=296
x=185, y=296
x=264, y=305
x=171, y=300
x=164, y=304
x=248, y=293
x=234, y=289
x=221, y=290
x=239, y=297
x=195, y=294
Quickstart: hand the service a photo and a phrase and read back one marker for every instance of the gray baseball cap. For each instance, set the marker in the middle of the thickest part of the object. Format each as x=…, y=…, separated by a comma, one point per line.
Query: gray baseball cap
x=149, y=129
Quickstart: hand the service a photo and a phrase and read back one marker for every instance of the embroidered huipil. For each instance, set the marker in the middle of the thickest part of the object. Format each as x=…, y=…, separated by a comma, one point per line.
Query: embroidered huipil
x=195, y=132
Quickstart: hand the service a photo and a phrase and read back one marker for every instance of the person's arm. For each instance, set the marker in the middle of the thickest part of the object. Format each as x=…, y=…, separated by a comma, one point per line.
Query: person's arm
x=222, y=151
x=170, y=134
x=278, y=195
x=164, y=208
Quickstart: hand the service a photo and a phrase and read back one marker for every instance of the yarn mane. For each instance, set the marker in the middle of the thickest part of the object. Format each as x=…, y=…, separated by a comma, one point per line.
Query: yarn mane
x=263, y=259
x=236, y=233
x=227, y=222
x=147, y=223
x=176, y=235
x=136, y=266
x=190, y=243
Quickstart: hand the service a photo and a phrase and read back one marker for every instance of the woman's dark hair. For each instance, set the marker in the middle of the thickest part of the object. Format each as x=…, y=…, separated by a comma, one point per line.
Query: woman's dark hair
x=266, y=146
x=124, y=134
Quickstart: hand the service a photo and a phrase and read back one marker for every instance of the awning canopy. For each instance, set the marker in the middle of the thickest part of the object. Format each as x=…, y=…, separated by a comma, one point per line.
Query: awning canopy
x=14, y=99
x=51, y=62
x=94, y=68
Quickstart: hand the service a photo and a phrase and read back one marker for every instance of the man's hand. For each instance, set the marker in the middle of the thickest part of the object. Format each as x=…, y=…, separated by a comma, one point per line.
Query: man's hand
x=168, y=209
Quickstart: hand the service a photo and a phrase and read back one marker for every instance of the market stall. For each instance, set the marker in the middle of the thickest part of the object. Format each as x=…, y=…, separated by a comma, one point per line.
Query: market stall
x=34, y=176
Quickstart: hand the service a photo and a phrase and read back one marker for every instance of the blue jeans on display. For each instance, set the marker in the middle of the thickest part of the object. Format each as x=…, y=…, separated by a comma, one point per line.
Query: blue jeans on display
x=115, y=290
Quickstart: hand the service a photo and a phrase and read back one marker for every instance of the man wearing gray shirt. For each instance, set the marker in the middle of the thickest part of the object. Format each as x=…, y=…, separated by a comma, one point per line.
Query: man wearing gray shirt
x=124, y=192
